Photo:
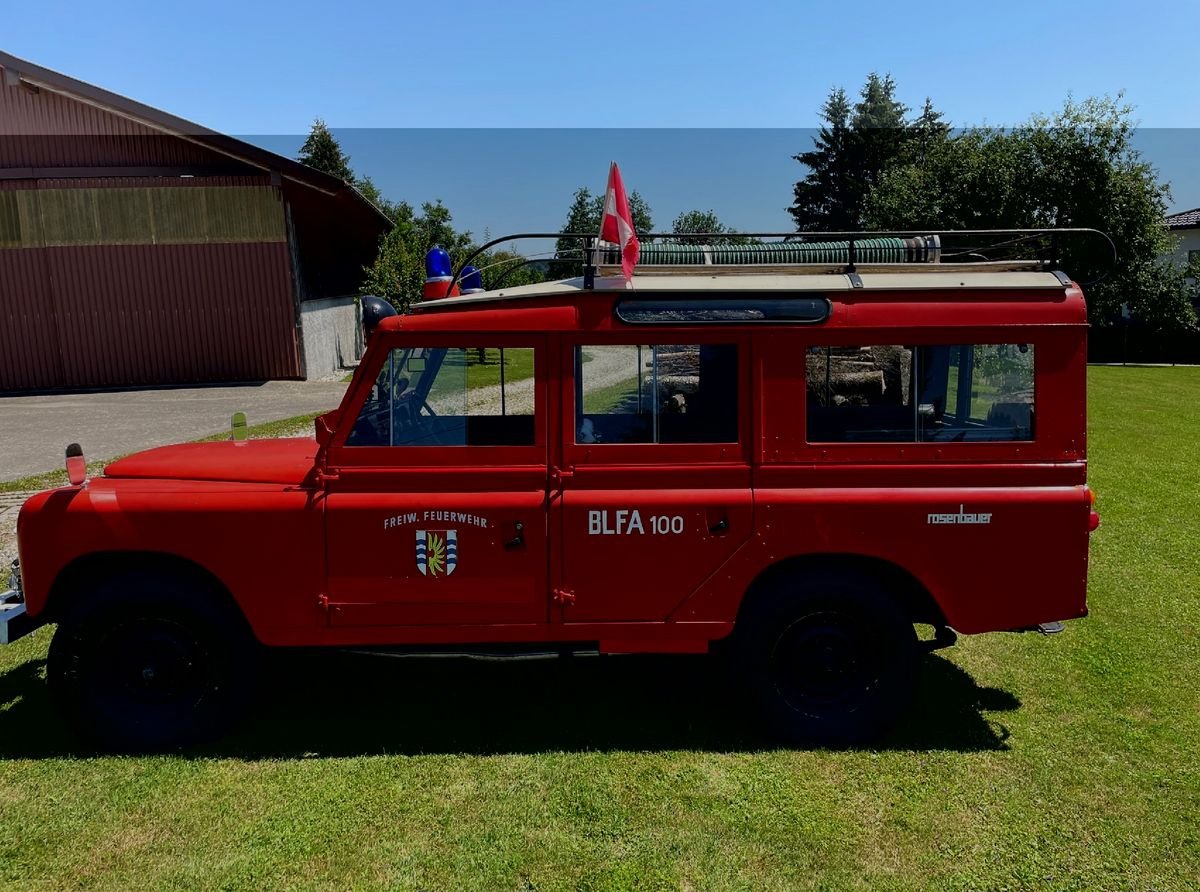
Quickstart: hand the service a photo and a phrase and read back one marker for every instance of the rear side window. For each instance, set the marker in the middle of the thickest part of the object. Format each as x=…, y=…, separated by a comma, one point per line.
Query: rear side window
x=905, y=394
x=450, y=396
x=642, y=393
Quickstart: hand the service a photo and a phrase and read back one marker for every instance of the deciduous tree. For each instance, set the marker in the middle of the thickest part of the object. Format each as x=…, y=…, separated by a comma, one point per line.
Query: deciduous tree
x=399, y=271
x=584, y=216
x=1076, y=168
x=703, y=221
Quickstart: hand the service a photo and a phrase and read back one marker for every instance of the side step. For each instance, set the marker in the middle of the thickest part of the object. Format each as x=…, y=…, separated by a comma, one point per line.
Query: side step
x=488, y=653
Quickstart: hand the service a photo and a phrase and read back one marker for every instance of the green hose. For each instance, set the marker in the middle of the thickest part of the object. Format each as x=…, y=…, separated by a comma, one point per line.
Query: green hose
x=867, y=250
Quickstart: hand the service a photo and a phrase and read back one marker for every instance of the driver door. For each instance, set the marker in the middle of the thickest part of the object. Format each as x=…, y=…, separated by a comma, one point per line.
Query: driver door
x=436, y=486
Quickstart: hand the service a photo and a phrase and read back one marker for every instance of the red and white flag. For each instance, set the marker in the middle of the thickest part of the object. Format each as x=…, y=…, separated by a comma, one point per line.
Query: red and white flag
x=616, y=225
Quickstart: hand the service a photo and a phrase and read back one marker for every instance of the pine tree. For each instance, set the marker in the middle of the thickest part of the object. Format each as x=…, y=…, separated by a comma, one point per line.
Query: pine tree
x=850, y=154
x=926, y=133
x=879, y=133
x=823, y=197
x=322, y=151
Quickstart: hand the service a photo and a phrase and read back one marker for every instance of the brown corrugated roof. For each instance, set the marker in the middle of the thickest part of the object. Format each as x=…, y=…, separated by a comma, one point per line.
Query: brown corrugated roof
x=1185, y=220
x=16, y=69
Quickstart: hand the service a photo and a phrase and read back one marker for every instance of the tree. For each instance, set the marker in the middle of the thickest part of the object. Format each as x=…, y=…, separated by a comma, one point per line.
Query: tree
x=851, y=152
x=1076, y=168
x=508, y=269
x=703, y=221
x=926, y=133
x=394, y=211
x=398, y=272
x=823, y=199
x=322, y=151
x=584, y=216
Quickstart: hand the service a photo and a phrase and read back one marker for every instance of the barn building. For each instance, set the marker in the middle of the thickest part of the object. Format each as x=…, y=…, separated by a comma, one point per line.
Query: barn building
x=140, y=249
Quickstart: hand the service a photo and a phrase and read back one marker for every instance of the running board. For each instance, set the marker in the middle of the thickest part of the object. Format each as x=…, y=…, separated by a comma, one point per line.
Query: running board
x=492, y=653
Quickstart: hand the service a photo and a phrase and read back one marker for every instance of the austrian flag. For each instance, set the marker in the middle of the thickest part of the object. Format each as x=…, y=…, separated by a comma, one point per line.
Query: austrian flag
x=616, y=226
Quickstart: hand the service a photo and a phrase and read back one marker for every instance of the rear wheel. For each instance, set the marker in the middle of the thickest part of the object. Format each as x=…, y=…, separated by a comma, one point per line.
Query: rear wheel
x=829, y=658
x=149, y=661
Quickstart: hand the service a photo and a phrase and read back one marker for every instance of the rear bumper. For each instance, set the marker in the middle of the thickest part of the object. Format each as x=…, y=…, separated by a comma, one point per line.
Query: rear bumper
x=15, y=621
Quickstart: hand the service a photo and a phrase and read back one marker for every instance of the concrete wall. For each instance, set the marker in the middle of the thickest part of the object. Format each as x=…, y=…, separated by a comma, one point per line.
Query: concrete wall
x=333, y=338
x=1188, y=240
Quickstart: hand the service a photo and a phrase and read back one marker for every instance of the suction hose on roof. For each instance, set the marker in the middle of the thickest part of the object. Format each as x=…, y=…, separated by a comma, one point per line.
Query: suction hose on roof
x=919, y=249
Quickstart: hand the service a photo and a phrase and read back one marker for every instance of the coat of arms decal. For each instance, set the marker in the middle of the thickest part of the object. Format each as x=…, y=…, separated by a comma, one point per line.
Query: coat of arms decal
x=437, y=552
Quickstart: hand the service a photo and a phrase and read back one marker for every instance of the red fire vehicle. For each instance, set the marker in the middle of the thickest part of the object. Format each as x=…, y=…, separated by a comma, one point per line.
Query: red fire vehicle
x=789, y=452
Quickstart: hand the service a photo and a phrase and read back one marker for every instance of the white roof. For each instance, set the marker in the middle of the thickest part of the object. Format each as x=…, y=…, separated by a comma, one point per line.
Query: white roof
x=923, y=278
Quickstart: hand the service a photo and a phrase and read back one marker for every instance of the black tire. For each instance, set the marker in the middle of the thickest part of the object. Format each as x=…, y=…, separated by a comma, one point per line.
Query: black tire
x=830, y=659
x=151, y=661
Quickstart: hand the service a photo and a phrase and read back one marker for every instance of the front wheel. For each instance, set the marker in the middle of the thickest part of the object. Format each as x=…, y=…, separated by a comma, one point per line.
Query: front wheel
x=147, y=662
x=830, y=659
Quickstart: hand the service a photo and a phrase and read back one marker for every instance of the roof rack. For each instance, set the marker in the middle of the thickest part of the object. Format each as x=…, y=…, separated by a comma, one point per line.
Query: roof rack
x=742, y=253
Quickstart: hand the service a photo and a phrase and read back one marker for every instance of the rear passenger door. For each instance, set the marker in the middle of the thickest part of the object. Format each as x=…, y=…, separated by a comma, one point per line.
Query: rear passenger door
x=653, y=483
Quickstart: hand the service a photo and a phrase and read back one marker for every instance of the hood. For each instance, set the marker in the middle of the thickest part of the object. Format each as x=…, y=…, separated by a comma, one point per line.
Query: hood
x=286, y=461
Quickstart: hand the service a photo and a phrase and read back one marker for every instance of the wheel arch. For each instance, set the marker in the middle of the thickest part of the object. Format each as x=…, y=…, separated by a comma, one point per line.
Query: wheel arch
x=84, y=571
x=916, y=600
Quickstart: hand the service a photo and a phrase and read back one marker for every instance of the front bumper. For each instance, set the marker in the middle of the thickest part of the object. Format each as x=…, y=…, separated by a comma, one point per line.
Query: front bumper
x=15, y=621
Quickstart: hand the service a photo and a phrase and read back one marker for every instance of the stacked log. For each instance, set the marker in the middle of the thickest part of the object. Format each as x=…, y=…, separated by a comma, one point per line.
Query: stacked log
x=859, y=376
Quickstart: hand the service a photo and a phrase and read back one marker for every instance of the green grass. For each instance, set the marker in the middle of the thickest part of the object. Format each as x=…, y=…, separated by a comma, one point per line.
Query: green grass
x=518, y=365
x=1028, y=763
x=298, y=426
x=622, y=396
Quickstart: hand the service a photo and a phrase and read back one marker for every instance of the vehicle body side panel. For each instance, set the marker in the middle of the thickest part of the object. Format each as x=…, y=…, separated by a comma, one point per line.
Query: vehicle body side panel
x=263, y=543
x=1021, y=560
x=490, y=528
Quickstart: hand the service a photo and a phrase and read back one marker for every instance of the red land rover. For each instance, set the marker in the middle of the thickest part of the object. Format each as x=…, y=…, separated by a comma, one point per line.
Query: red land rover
x=791, y=462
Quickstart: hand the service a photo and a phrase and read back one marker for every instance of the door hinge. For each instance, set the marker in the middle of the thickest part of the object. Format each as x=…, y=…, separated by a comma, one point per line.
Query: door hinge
x=558, y=475
x=324, y=476
x=563, y=596
x=323, y=602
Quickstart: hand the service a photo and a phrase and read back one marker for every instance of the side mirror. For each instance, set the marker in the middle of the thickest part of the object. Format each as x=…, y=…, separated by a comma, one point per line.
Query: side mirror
x=324, y=425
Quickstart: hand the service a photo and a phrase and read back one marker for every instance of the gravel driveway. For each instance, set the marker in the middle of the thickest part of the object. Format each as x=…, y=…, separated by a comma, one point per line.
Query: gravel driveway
x=35, y=429
x=601, y=369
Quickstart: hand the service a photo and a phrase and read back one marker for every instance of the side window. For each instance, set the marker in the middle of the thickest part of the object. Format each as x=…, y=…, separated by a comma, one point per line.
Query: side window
x=640, y=393
x=905, y=394
x=987, y=394
x=860, y=394
x=450, y=396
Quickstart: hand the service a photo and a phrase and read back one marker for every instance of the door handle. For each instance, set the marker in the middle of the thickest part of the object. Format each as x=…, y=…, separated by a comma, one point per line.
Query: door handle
x=720, y=527
x=519, y=539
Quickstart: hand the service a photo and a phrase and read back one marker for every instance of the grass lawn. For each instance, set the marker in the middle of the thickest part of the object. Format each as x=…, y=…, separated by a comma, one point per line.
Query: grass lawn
x=518, y=365
x=620, y=396
x=1028, y=763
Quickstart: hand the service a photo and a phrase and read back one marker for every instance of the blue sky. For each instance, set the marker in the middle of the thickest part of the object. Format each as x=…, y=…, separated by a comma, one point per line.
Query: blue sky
x=267, y=69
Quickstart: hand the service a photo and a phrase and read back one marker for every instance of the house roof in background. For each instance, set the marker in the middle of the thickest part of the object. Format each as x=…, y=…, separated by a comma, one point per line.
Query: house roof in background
x=1184, y=220
x=16, y=69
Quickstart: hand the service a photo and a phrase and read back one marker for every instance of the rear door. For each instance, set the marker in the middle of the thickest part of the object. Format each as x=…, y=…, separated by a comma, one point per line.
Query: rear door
x=654, y=476
x=436, y=503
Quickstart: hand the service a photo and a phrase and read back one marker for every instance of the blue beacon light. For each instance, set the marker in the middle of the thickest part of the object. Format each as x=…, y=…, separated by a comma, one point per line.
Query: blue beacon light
x=438, y=275
x=437, y=264
x=472, y=280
